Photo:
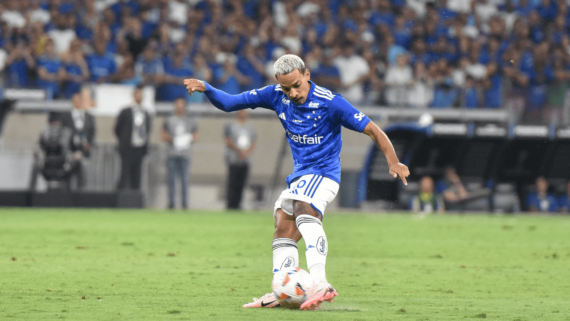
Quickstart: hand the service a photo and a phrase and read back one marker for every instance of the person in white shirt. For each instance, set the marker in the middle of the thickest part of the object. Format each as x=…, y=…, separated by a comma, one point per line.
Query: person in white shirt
x=62, y=36
x=399, y=78
x=353, y=73
x=36, y=13
x=12, y=14
x=420, y=94
x=180, y=132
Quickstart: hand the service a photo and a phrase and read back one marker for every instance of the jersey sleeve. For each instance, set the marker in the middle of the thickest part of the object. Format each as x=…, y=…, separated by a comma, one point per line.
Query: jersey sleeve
x=347, y=115
x=250, y=99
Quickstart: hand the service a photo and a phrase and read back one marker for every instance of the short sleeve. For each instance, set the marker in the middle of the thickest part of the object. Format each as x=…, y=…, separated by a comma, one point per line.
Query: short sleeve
x=347, y=115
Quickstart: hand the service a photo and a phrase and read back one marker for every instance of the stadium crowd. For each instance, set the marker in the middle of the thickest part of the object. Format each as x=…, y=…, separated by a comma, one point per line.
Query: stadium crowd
x=414, y=53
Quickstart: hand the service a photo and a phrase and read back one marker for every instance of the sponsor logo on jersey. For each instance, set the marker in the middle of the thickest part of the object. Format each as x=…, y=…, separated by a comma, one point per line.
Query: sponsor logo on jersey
x=305, y=140
x=282, y=116
x=253, y=92
x=297, y=121
x=286, y=101
x=359, y=116
x=313, y=105
x=322, y=246
x=288, y=262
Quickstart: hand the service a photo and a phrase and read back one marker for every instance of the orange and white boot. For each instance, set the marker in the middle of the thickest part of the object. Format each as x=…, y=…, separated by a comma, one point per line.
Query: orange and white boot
x=324, y=292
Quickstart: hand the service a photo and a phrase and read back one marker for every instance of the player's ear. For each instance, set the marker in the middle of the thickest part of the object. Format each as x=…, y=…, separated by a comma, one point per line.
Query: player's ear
x=307, y=74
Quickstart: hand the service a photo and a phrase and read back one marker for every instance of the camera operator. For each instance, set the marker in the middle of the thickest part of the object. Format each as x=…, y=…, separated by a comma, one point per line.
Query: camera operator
x=54, y=142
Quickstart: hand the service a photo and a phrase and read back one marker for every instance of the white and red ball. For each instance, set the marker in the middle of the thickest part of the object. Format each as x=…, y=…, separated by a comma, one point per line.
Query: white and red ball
x=292, y=286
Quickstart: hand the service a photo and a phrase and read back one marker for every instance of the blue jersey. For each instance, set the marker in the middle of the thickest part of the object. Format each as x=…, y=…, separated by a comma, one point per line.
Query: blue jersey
x=313, y=129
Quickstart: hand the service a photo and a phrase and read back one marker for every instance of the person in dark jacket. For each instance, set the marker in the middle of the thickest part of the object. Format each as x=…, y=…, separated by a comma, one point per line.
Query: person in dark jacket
x=133, y=128
x=82, y=126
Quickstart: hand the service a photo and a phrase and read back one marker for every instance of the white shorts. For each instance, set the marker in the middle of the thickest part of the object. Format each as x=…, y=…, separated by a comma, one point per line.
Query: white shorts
x=313, y=189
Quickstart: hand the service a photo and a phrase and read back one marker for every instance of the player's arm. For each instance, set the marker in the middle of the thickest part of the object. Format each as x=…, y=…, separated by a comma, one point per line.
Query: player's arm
x=349, y=117
x=385, y=145
x=226, y=102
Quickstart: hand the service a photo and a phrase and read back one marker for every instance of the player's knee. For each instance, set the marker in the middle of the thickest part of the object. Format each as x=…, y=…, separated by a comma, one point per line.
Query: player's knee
x=300, y=208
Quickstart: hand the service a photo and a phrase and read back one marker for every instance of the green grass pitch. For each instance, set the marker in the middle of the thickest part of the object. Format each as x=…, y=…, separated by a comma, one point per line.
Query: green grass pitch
x=159, y=265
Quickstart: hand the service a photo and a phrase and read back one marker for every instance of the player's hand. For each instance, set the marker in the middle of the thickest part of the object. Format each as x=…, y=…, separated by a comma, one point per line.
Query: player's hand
x=193, y=85
x=401, y=170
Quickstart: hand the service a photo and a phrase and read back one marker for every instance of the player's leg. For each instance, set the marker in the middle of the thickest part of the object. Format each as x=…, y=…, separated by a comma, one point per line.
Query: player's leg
x=285, y=254
x=309, y=223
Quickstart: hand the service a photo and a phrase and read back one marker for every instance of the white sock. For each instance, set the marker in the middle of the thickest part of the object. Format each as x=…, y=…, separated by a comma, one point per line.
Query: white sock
x=317, y=246
x=285, y=254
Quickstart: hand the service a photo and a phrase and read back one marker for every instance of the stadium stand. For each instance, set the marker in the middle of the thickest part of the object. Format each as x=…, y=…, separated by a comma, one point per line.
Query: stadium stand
x=440, y=54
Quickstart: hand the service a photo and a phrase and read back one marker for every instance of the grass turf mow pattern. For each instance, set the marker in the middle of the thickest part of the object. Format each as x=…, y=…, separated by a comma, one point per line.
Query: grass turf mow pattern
x=157, y=265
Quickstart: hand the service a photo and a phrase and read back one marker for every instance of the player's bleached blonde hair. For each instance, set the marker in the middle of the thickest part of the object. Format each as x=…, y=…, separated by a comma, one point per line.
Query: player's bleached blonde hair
x=286, y=64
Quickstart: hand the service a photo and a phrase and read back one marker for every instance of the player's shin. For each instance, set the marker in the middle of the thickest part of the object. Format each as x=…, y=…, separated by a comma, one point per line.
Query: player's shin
x=285, y=254
x=317, y=246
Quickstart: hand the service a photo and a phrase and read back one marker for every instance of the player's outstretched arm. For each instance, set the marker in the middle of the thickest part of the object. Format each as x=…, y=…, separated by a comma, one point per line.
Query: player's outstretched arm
x=384, y=143
x=222, y=100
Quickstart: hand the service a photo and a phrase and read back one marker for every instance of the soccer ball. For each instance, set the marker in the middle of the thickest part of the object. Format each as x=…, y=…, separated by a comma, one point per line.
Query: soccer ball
x=292, y=286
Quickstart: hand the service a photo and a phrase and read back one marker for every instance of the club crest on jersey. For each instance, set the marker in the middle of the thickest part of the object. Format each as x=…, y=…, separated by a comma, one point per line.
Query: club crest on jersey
x=359, y=116
x=288, y=262
x=322, y=246
x=313, y=105
x=286, y=101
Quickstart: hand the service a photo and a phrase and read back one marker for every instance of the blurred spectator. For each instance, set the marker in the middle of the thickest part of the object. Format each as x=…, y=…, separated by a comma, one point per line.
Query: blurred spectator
x=12, y=14
x=20, y=61
x=149, y=66
x=240, y=142
x=134, y=38
x=63, y=34
x=180, y=132
x=541, y=200
x=399, y=78
x=201, y=71
x=176, y=68
x=451, y=187
x=50, y=71
x=127, y=75
x=132, y=129
x=83, y=129
x=564, y=201
x=75, y=69
x=421, y=92
x=427, y=201
x=353, y=72
x=327, y=74
x=38, y=14
x=251, y=66
x=121, y=53
x=229, y=79
x=101, y=63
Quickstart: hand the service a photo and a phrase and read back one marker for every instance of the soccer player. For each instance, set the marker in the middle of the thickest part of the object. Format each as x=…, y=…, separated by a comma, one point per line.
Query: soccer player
x=312, y=117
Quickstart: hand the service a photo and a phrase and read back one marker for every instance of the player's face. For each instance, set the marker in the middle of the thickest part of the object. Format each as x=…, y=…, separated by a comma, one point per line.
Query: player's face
x=296, y=85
